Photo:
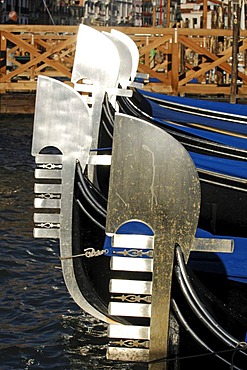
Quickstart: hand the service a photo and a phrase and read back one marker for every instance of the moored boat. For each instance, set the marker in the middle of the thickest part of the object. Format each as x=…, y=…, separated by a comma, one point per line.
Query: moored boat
x=221, y=116
x=124, y=252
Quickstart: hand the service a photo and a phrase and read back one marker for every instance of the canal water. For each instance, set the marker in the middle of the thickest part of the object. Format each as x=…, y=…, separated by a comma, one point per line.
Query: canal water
x=40, y=325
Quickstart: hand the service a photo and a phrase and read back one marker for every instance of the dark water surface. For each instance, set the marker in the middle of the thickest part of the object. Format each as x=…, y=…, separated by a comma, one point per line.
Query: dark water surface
x=40, y=325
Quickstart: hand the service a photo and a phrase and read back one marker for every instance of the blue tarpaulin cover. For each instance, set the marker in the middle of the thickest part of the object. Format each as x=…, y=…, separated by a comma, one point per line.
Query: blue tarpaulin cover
x=221, y=116
x=232, y=265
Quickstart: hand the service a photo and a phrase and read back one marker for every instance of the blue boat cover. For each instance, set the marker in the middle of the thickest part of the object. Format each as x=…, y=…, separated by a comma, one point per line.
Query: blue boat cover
x=224, y=166
x=228, y=140
x=232, y=265
x=236, y=109
x=221, y=116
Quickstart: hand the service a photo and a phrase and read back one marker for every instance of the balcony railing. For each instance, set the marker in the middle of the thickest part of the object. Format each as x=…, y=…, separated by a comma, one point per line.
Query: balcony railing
x=178, y=61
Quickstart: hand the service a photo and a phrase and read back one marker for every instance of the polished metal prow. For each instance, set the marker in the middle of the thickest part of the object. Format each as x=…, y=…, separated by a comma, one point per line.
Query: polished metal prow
x=95, y=69
x=153, y=180
x=62, y=135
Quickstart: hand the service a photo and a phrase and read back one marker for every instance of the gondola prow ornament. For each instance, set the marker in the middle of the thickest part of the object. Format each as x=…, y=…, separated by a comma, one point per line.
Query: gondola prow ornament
x=153, y=180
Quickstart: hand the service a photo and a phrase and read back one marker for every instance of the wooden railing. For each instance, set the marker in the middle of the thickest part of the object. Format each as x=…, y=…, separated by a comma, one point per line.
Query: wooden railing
x=178, y=61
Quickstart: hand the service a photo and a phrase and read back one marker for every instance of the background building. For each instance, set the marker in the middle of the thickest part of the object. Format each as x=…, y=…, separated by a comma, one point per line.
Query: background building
x=139, y=13
x=20, y=6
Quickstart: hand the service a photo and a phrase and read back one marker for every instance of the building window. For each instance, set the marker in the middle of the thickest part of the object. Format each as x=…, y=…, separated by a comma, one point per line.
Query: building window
x=194, y=22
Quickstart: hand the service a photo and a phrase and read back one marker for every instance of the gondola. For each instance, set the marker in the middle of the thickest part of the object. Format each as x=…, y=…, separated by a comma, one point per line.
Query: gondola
x=127, y=232
x=221, y=116
x=229, y=139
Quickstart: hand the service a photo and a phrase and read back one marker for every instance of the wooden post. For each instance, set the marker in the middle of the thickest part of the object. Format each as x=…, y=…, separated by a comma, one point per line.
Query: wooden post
x=175, y=63
x=168, y=17
x=235, y=49
x=3, y=56
x=154, y=14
